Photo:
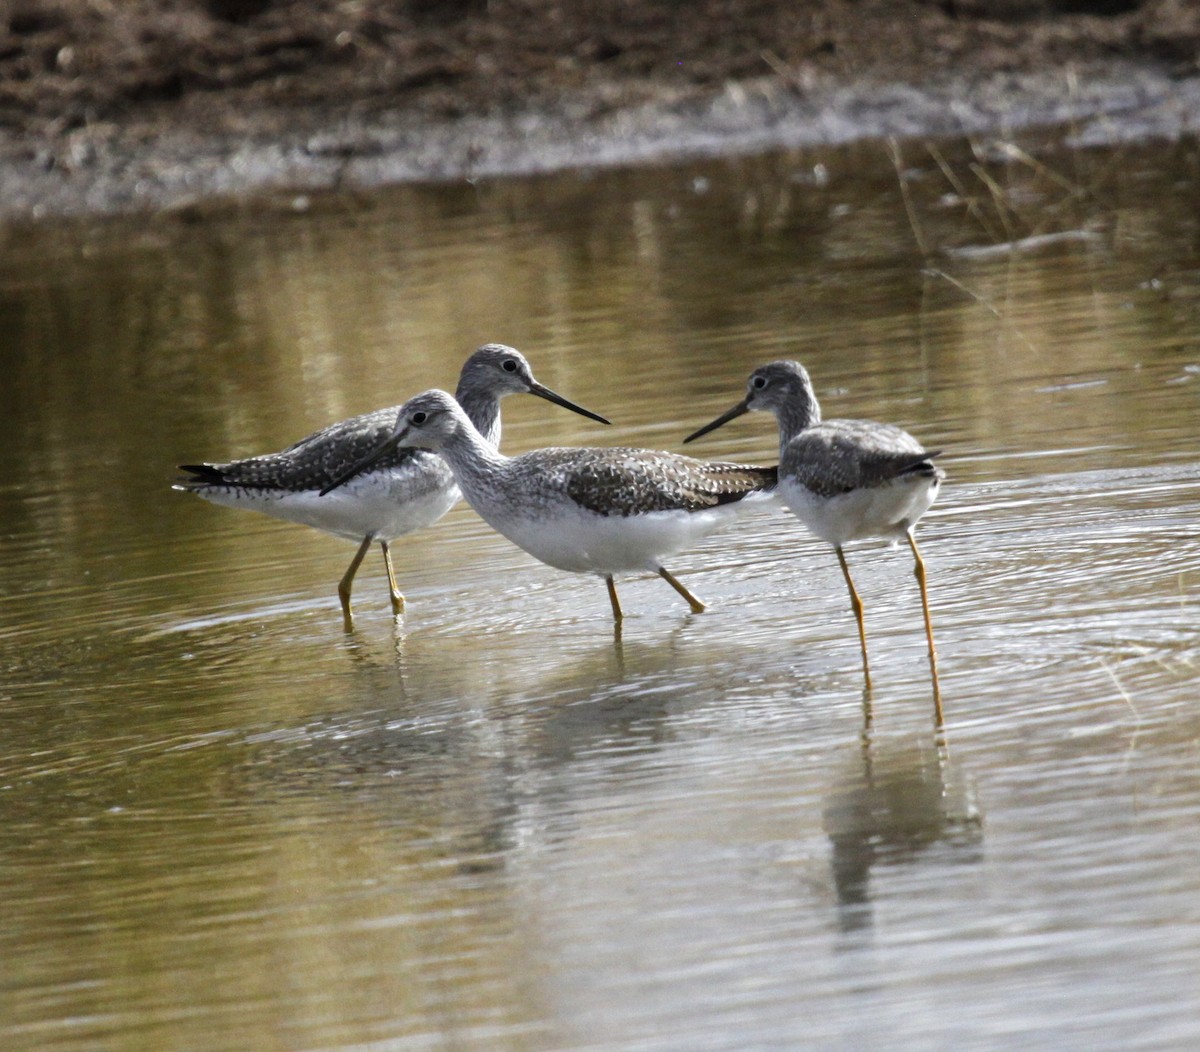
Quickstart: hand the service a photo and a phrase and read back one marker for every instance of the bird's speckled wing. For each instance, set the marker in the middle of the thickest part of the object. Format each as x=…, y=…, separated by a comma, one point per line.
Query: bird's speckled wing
x=629, y=481
x=311, y=463
x=839, y=456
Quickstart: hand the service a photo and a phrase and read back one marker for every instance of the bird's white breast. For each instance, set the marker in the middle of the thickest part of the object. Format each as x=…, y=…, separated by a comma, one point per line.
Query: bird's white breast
x=581, y=541
x=871, y=511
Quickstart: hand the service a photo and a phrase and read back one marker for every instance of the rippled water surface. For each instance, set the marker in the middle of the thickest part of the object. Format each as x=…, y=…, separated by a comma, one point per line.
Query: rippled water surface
x=229, y=824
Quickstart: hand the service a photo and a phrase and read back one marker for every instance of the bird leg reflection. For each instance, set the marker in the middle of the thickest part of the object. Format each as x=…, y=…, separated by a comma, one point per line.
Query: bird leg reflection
x=868, y=709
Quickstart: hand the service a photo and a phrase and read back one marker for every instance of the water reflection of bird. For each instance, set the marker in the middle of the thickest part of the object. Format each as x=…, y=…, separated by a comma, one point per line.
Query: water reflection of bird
x=893, y=805
x=600, y=511
x=624, y=695
x=405, y=490
x=844, y=479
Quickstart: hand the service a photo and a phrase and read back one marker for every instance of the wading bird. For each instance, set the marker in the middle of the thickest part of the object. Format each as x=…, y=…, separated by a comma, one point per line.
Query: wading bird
x=583, y=510
x=405, y=490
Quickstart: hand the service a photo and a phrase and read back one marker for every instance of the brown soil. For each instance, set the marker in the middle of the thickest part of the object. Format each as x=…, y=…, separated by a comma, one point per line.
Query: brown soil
x=84, y=80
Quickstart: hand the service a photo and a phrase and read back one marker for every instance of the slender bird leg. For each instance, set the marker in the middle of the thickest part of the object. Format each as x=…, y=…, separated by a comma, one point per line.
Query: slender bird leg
x=919, y=573
x=397, y=598
x=856, y=605
x=612, y=598
x=348, y=578
x=697, y=606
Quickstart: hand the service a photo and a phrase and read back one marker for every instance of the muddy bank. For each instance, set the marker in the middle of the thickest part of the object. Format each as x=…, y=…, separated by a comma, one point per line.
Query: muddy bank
x=115, y=170
x=159, y=103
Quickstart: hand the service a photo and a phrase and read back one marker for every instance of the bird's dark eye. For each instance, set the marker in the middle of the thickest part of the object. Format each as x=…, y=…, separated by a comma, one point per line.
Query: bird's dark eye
x=759, y=382
x=509, y=366
x=418, y=418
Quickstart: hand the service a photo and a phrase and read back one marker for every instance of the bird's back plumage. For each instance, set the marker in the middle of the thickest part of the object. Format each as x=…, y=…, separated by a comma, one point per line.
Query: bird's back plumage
x=629, y=482
x=840, y=456
x=308, y=464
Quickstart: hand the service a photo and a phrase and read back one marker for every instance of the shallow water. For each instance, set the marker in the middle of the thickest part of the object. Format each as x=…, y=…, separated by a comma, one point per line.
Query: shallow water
x=228, y=824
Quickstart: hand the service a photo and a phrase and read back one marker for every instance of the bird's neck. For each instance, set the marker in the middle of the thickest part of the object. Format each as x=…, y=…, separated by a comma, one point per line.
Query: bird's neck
x=483, y=410
x=798, y=414
x=471, y=457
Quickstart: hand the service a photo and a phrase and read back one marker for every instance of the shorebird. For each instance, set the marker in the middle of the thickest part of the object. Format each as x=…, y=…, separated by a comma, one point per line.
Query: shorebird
x=583, y=510
x=405, y=490
x=844, y=479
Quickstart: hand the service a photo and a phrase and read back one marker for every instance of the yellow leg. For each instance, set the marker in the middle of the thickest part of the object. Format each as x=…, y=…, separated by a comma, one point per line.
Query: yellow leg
x=919, y=573
x=397, y=598
x=856, y=605
x=697, y=606
x=612, y=598
x=348, y=578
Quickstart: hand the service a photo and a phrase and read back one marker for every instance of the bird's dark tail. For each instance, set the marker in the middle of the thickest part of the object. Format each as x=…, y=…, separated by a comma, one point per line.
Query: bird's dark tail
x=739, y=481
x=203, y=474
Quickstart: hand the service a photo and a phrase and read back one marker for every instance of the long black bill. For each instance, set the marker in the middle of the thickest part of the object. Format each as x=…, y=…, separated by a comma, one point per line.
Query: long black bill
x=724, y=418
x=557, y=399
x=359, y=466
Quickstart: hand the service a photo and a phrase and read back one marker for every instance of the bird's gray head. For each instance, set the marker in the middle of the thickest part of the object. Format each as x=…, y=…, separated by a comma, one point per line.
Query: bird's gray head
x=496, y=370
x=778, y=385
x=427, y=421
x=782, y=388
x=499, y=369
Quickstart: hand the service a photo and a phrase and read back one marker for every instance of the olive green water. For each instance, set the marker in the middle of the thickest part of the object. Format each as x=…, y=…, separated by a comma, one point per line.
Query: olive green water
x=227, y=824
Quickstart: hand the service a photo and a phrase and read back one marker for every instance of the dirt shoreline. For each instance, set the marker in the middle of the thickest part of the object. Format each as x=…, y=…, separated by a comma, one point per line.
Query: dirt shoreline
x=165, y=104
x=119, y=170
